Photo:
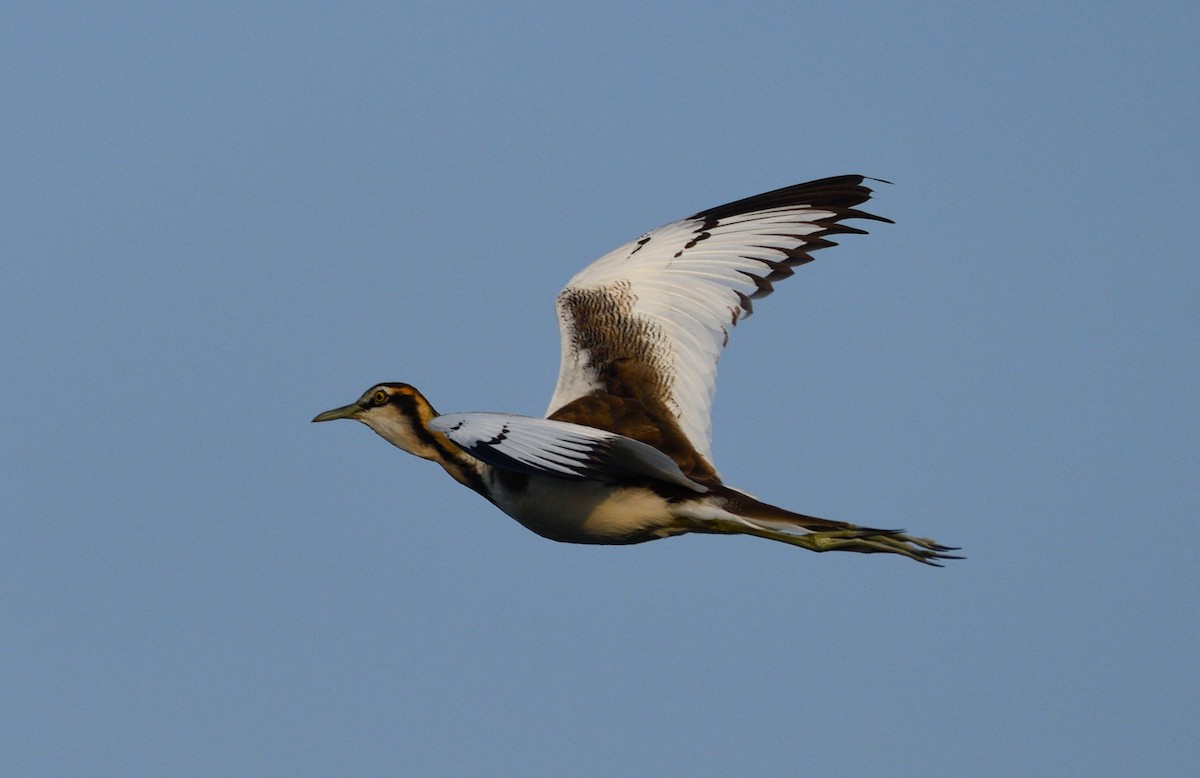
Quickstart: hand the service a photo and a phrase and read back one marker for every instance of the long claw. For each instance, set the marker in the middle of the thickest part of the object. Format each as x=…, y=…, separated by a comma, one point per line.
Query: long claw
x=862, y=540
x=919, y=549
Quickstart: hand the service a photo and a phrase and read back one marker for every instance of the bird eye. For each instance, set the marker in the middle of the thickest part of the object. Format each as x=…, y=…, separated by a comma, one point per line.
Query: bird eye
x=380, y=397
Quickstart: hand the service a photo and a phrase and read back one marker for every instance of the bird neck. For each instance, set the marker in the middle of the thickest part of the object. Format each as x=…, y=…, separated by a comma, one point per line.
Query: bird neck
x=409, y=430
x=462, y=467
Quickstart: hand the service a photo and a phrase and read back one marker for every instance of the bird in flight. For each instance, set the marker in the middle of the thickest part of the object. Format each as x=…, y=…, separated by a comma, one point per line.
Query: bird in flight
x=623, y=454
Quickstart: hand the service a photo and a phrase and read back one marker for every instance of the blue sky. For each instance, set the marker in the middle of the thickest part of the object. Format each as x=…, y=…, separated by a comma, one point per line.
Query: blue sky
x=219, y=221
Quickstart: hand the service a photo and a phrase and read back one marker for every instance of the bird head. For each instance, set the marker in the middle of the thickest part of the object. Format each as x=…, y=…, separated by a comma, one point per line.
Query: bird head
x=398, y=413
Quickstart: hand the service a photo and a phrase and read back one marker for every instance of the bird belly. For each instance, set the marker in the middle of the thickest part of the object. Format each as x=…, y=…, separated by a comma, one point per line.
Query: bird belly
x=573, y=511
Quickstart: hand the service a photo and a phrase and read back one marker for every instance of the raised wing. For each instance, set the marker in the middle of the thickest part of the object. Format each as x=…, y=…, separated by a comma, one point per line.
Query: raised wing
x=648, y=321
x=557, y=449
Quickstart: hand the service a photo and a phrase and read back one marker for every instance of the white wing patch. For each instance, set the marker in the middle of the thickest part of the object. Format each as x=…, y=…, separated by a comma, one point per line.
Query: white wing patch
x=668, y=300
x=557, y=449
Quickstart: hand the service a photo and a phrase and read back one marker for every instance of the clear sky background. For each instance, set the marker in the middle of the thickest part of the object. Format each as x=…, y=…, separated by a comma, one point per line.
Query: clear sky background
x=218, y=221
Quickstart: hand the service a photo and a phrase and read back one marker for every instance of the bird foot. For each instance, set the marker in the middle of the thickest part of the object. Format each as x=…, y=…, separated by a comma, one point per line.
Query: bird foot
x=872, y=541
x=862, y=540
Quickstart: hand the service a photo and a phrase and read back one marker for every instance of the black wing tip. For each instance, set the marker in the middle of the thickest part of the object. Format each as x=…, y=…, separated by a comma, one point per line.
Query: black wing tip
x=842, y=193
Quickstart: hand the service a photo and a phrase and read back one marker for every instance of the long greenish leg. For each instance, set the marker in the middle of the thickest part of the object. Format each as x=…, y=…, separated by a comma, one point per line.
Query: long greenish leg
x=856, y=539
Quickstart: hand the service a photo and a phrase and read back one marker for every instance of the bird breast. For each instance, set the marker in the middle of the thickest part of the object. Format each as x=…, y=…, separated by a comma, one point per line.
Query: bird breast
x=583, y=511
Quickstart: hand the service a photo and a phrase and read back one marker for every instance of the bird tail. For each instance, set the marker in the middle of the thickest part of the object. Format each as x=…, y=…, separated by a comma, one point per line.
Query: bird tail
x=749, y=516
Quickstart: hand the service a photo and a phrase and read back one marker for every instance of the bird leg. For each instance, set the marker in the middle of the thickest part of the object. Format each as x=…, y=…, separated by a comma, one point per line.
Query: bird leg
x=861, y=540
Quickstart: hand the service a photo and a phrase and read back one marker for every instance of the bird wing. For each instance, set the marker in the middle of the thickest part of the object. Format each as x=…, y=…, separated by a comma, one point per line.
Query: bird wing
x=649, y=320
x=556, y=448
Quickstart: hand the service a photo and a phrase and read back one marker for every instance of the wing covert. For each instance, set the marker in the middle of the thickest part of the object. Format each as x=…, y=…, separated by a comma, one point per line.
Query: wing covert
x=557, y=449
